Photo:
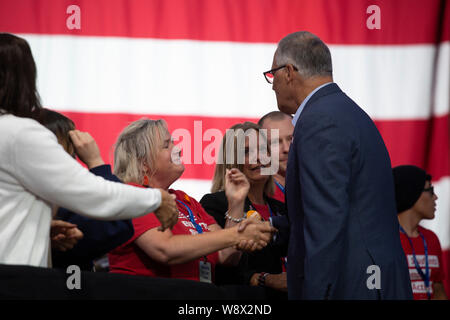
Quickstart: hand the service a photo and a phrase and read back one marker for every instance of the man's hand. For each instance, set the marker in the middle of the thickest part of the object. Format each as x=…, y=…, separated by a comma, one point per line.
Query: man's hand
x=254, y=234
x=64, y=235
x=86, y=148
x=167, y=213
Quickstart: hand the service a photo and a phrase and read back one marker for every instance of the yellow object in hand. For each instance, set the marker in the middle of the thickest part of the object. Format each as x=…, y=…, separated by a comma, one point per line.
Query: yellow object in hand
x=253, y=214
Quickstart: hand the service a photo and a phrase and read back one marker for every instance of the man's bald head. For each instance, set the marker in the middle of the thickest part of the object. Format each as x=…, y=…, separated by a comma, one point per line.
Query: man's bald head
x=274, y=116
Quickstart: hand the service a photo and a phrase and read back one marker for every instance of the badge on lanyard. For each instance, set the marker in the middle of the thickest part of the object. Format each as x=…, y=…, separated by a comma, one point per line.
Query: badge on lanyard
x=205, y=271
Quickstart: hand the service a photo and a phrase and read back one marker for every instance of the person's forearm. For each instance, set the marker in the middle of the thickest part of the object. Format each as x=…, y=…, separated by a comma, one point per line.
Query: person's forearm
x=229, y=256
x=276, y=281
x=184, y=248
x=46, y=170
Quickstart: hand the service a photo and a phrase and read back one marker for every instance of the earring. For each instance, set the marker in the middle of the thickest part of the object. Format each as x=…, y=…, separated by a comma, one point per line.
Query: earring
x=145, y=182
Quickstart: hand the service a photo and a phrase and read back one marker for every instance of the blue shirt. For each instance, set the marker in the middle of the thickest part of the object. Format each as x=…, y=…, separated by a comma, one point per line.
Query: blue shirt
x=302, y=106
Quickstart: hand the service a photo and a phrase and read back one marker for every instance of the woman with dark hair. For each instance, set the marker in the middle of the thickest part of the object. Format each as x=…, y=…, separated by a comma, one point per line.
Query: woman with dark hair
x=18, y=94
x=60, y=125
x=36, y=172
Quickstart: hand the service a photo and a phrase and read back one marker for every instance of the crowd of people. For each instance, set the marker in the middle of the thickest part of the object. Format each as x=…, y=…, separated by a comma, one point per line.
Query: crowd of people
x=308, y=231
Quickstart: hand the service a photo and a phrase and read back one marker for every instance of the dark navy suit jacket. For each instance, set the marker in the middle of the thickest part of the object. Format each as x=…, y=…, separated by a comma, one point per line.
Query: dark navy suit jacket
x=341, y=206
x=100, y=237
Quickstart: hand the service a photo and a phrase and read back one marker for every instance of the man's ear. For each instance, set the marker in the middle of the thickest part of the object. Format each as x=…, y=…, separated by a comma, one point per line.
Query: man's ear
x=291, y=73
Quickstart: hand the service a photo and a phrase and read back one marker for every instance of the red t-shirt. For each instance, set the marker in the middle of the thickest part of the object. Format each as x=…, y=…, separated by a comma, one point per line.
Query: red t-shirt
x=434, y=261
x=130, y=259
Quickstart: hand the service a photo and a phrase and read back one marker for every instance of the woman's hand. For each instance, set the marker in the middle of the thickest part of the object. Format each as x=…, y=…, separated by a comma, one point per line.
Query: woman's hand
x=167, y=213
x=64, y=235
x=251, y=245
x=236, y=186
x=86, y=148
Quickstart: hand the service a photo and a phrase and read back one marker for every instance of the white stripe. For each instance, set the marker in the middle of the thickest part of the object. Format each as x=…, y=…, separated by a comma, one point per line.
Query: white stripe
x=441, y=223
x=179, y=77
x=442, y=91
x=392, y=82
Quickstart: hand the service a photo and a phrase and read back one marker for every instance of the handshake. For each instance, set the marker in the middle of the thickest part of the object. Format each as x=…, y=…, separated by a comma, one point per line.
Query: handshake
x=253, y=234
x=249, y=235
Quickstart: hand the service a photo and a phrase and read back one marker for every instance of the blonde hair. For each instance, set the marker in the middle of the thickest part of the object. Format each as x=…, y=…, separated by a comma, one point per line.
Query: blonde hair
x=228, y=156
x=138, y=144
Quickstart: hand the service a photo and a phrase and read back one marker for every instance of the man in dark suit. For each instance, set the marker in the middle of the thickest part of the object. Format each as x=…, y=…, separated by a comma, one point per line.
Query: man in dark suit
x=344, y=240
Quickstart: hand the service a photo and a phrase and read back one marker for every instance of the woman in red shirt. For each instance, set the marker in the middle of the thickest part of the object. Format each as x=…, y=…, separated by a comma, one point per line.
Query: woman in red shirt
x=145, y=156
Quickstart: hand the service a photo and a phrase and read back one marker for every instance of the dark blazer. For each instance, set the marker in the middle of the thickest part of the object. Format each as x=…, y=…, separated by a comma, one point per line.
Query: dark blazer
x=266, y=260
x=100, y=237
x=341, y=206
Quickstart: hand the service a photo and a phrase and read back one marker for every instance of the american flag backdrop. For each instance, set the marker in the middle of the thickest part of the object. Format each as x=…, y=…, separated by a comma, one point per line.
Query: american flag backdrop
x=198, y=64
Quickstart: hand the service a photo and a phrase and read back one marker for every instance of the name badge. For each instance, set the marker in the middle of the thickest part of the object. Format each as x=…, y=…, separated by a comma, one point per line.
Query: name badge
x=205, y=271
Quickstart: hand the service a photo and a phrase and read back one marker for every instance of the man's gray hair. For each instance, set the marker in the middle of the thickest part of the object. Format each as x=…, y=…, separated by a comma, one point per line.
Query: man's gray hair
x=305, y=51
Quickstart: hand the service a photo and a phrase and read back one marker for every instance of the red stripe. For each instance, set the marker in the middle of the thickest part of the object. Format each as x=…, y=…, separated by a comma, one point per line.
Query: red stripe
x=446, y=26
x=266, y=21
x=424, y=143
x=407, y=140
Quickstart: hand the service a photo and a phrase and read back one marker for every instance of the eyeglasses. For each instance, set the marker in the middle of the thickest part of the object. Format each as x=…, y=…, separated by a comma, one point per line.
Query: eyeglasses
x=430, y=190
x=270, y=74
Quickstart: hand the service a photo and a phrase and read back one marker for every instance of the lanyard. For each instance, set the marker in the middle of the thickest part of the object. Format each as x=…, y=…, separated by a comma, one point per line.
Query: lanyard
x=279, y=186
x=191, y=217
x=425, y=277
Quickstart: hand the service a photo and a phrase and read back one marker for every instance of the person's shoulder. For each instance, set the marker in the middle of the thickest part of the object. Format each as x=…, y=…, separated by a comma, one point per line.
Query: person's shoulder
x=428, y=234
x=13, y=124
x=218, y=196
x=181, y=195
x=216, y=201
x=425, y=231
x=22, y=133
